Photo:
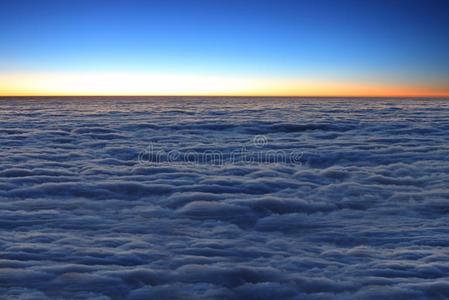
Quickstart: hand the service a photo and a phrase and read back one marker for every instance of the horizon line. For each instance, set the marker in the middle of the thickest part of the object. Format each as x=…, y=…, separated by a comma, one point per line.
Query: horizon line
x=235, y=96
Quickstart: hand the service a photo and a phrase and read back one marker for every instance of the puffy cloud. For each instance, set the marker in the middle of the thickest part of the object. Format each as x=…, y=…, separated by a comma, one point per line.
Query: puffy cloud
x=362, y=214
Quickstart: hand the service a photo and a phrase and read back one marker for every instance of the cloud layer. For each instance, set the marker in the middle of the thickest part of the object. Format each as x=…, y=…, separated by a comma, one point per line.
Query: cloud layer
x=362, y=215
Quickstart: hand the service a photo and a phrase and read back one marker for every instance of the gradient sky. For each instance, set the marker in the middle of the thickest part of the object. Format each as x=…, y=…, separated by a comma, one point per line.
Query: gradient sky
x=246, y=47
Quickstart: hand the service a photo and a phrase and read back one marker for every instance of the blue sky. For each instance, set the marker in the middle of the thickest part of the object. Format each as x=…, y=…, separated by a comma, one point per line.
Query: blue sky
x=404, y=42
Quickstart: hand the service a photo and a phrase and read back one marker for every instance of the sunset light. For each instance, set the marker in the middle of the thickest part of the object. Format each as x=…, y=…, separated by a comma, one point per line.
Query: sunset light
x=141, y=84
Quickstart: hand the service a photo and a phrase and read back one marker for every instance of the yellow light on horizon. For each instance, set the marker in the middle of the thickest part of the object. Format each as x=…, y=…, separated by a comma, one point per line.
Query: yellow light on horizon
x=121, y=83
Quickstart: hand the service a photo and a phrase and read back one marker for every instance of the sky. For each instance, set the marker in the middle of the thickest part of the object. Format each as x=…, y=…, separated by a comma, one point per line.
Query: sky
x=174, y=47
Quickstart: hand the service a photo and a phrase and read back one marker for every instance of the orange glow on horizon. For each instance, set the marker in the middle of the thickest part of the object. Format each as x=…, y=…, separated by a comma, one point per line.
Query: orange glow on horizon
x=140, y=84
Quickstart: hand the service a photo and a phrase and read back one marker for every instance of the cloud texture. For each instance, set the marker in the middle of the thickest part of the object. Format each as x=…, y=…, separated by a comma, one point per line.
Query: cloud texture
x=363, y=215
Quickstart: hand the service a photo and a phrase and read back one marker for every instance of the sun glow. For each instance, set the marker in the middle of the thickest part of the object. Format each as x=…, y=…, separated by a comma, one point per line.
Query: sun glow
x=78, y=84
